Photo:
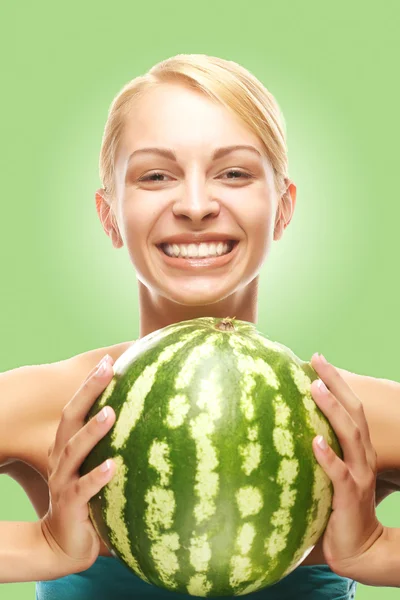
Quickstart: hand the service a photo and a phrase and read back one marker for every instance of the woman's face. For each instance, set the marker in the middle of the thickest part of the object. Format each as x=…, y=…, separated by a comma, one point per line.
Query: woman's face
x=197, y=228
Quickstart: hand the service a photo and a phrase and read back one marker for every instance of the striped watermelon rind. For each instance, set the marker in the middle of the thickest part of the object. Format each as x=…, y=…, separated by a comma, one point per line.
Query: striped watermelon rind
x=217, y=491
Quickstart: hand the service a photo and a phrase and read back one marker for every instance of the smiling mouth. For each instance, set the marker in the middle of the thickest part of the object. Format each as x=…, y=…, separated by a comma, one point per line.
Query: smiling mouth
x=199, y=250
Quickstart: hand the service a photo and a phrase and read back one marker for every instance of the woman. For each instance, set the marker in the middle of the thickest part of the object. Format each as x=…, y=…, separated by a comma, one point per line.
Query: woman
x=196, y=186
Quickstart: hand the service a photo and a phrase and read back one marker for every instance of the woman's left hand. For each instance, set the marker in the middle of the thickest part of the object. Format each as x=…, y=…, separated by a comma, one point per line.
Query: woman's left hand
x=353, y=528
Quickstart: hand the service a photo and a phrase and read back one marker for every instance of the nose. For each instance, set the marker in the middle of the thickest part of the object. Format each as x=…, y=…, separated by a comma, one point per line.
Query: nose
x=195, y=202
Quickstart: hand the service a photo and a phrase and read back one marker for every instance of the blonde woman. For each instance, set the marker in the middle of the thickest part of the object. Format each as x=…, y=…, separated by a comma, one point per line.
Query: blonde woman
x=196, y=188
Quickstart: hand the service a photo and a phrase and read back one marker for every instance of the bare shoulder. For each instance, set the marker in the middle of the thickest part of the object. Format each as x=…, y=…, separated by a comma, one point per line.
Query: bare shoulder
x=87, y=360
x=368, y=381
x=32, y=398
x=373, y=390
x=381, y=402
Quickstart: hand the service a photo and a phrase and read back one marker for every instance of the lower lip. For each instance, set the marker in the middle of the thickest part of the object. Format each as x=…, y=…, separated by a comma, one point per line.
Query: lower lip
x=198, y=263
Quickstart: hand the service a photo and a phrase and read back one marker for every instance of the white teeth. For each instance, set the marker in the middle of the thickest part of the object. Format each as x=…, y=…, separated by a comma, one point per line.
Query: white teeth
x=197, y=250
x=203, y=251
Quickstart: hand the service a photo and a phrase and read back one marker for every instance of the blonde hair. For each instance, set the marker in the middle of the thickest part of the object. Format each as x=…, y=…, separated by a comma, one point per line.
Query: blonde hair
x=224, y=81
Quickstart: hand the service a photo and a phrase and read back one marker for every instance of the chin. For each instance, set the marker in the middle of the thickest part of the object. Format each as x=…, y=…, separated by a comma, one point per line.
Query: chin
x=202, y=295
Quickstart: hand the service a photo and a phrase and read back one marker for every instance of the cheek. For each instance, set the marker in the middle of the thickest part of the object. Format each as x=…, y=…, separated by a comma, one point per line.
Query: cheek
x=137, y=222
x=131, y=230
x=134, y=233
x=259, y=226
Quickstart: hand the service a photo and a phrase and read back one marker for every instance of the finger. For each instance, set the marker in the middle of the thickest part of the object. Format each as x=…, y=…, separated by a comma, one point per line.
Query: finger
x=80, y=445
x=348, y=434
x=83, y=489
x=346, y=396
x=74, y=413
x=94, y=384
x=344, y=485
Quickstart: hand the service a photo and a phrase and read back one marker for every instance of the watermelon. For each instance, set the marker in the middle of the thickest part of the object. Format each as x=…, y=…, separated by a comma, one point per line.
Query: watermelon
x=217, y=491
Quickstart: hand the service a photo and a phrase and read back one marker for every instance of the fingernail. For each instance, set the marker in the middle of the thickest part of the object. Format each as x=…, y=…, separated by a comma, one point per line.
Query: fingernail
x=102, y=366
x=323, y=359
x=105, y=466
x=322, y=387
x=321, y=442
x=102, y=415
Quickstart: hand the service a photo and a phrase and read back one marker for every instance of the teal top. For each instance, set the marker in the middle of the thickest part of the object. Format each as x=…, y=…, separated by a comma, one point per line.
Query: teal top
x=108, y=579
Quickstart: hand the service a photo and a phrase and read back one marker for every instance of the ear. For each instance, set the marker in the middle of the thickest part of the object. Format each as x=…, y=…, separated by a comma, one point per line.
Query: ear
x=285, y=209
x=107, y=218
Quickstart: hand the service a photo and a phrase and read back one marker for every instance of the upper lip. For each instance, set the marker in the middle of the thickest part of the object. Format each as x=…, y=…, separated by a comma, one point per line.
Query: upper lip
x=193, y=238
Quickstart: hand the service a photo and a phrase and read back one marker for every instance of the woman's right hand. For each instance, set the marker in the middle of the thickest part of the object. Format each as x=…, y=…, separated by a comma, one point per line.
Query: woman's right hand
x=67, y=526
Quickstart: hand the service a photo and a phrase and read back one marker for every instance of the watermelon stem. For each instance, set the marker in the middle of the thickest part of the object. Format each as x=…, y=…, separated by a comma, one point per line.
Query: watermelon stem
x=226, y=324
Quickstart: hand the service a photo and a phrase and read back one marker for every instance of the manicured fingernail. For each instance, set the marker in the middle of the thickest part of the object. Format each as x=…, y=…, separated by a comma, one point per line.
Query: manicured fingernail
x=102, y=415
x=105, y=466
x=322, y=387
x=323, y=359
x=102, y=366
x=321, y=442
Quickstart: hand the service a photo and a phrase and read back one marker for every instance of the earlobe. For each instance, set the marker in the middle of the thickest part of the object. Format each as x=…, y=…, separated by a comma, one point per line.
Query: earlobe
x=107, y=219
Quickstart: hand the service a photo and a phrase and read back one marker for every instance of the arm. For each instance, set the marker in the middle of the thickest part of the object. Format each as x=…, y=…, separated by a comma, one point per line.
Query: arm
x=24, y=417
x=64, y=541
x=355, y=543
x=25, y=554
x=381, y=402
x=22, y=411
x=32, y=399
x=385, y=562
x=31, y=402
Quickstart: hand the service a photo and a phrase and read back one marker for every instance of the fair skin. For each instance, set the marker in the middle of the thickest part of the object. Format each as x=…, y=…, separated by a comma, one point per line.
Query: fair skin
x=197, y=196
x=194, y=197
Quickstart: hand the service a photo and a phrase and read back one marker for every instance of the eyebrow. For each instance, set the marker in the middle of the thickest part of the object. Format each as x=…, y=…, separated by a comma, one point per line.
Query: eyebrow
x=218, y=153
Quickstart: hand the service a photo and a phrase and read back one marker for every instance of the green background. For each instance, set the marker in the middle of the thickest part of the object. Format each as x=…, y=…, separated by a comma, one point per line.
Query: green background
x=330, y=285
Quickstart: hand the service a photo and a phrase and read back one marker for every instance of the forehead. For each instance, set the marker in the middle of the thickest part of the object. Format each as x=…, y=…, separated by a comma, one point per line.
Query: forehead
x=184, y=119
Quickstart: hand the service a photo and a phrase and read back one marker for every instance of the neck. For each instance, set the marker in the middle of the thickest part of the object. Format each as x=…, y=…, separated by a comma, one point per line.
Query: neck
x=157, y=312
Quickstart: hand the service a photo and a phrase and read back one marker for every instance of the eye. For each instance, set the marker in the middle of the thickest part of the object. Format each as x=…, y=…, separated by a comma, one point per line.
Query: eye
x=156, y=176
x=150, y=177
x=238, y=172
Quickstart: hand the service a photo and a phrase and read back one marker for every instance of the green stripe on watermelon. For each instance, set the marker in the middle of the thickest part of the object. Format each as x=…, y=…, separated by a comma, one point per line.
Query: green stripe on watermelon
x=222, y=493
